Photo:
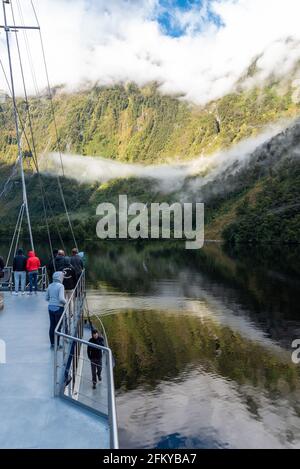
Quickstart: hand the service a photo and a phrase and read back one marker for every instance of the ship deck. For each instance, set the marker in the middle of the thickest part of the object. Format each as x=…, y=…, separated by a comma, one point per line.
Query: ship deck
x=30, y=416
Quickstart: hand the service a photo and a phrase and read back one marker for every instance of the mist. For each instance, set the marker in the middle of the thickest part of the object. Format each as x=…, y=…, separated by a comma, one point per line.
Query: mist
x=186, y=176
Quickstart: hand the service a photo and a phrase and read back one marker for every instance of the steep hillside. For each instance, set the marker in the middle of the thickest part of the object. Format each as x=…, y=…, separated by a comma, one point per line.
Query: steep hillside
x=141, y=125
x=260, y=200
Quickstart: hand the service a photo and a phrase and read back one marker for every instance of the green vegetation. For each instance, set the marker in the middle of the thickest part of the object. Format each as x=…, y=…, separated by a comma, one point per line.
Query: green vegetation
x=134, y=124
x=274, y=214
x=140, y=339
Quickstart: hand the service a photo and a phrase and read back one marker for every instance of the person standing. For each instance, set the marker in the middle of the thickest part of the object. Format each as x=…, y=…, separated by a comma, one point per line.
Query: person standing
x=60, y=261
x=19, y=270
x=55, y=295
x=1, y=276
x=70, y=279
x=95, y=356
x=51, y=264
x=77, y=263
x=2, y=265
x=32, y=266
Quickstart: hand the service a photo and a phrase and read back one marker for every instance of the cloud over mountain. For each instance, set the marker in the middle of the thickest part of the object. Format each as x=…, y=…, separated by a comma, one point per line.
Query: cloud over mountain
x=108, y=42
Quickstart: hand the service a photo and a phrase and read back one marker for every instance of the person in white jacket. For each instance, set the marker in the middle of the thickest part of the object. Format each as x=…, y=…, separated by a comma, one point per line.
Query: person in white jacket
x=55, y=295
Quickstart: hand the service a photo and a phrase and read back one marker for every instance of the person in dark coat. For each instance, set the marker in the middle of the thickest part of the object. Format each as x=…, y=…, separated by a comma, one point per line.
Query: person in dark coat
x=70, y=279
x=19, y=269
x=60, y=261
x=76, y=262
x=50, y=266
x=95, y=356
x=2, y=265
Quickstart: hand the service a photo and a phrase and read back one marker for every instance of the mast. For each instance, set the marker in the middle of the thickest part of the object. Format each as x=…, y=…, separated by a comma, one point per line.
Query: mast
x=20, y=153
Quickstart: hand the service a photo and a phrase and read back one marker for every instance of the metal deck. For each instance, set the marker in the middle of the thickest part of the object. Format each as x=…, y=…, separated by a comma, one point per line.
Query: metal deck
x=30, y=416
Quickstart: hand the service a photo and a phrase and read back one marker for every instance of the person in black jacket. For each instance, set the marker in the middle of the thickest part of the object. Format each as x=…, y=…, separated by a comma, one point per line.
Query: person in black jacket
x=19, y=269
x=76, y=262
x=70, y=279
x=50, y=265
x=2, y=265
x=60, y=261
x=95, y=356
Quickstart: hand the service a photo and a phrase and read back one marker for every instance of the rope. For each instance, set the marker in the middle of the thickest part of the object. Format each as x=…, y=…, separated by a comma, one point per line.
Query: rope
x=19, y=220
x=35, y=161
x=31, y=64
x=12, y=174
x=55, y=126
x=7, y=29
x=88, y=313
x=18, y=113
x=91, y=323
x=18, y=232
x=33, y=151
x=31, y=132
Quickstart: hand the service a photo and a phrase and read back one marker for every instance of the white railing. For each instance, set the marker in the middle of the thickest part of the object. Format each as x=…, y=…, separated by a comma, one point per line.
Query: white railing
x=72, y=368
x=7, y=282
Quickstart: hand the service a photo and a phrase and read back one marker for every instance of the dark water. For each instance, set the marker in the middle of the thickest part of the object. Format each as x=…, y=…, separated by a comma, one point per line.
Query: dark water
x=202, y=343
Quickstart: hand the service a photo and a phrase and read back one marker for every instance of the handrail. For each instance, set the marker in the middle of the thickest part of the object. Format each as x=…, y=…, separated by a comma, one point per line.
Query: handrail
x=71, y=318
x=70, y=300
x=9, y=281
x=113, y=422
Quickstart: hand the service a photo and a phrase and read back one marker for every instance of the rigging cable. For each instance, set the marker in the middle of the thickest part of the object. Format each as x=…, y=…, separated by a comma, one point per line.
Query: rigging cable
x=17, y=229
x=7, y=29
x=87, y=310
x=36, y=167
x=30, y=123
x=5, y=188
x=55, y=126
x=35, y=162
x=31, y=64
x=18, y=233
x=34, y=149
x=32, y=137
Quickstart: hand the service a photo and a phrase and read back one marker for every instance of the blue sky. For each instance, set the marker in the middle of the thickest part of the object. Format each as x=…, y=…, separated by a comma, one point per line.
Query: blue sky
x=170, y=10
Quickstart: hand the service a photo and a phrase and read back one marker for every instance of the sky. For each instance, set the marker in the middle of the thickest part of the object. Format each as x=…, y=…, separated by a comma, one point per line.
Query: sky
x=197, y=49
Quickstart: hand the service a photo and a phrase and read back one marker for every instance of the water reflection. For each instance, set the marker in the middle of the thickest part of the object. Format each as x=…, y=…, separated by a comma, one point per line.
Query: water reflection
x=202, y=343
x=182, y=374
x=261, y=288
x=202, y=346
x=205, y=410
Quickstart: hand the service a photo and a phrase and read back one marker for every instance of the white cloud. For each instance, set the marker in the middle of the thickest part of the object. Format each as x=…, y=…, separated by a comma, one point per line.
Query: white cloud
x=170, y=177
x=95, y=40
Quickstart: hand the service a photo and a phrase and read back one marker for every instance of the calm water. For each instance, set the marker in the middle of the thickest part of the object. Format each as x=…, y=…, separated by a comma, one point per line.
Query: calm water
x=202, y=343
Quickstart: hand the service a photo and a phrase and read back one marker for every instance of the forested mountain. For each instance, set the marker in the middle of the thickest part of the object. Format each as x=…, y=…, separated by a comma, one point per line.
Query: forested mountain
x=130, y=124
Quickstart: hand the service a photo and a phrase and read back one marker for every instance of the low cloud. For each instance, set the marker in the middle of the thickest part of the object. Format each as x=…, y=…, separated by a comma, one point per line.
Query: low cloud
x=199, y=172
x=89, y=41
